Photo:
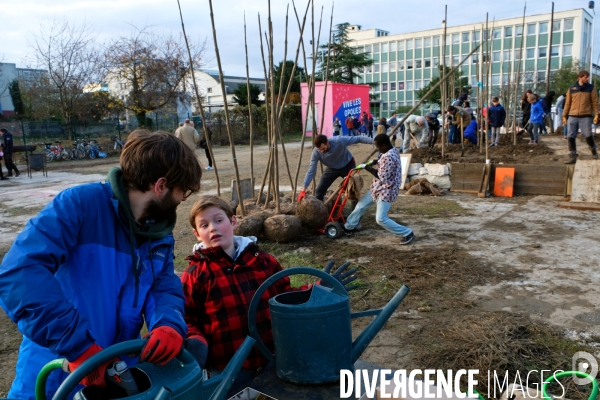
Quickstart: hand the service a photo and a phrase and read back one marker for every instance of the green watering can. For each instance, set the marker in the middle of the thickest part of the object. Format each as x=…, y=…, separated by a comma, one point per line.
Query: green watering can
x=312, y=329
x=180, y=379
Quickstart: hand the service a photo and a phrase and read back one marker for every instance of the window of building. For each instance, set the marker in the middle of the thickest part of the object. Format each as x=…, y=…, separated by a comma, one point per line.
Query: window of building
x=409, y=64
x=360, y=49
x=426, y=82
x=376, y=68
x=496, y=33
x=455, y=38
x=567, y=50
x=505, y=79
x=486, y=58
x=384, y=67
x=495, y=56
x=418, y=64
x=506, y=55
x=519, y=30
x=476, y=36
x=496, y=79
x=542, y=52
x=400, y=85
x=401, y=45
x=427, y=42
x=475, y=58
x=508, y=31
x=447, y=60
x=376, y=48
x=465, y=37
x=393, y=86
x=569, y=24
x=393, y=66
x=418, y=43
x=368, y=48
x=530, y=53
x=436, y=41
x=541, y=76
x=400, y=65
x=409, y=44
x=436, y=62
x=209, y=90
x=384, y=87
x=418, y=85
x=486, y=34
x=517, y=54
x=530, y=29
x=409, y=85
x=528, y=77
x=392, y=46
x=455, y=60
x=554, y=50
x=543, y=27
x=427, y=63
x=556, y=26
x=473, y=81
x=370, y=69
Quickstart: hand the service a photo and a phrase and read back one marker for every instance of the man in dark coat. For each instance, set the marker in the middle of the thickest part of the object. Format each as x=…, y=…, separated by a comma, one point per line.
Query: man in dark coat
x=7, y=148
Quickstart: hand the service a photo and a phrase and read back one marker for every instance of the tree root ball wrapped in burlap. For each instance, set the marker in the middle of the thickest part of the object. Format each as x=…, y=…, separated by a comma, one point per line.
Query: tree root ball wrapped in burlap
x=252, y=225
x=282, y=228
x=312, y=212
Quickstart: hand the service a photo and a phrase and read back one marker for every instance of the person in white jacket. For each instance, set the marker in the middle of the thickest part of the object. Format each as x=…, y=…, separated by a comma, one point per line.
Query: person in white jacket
x=414, y=126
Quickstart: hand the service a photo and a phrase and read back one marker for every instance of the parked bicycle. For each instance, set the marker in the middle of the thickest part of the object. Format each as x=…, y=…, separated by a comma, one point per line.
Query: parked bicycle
x=52, y=153
x=119, y=144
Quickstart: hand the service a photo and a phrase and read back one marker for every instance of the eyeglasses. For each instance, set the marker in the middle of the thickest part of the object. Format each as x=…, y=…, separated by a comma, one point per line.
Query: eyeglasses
x=187, y=193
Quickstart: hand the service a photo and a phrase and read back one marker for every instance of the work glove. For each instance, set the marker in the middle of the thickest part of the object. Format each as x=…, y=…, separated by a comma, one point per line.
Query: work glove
x=373, y=162
x=198, y=348
x=596, y=119
x=301, y=195
x=345, y=278
x=564, y=121
x=97, y=376
x=163, y=343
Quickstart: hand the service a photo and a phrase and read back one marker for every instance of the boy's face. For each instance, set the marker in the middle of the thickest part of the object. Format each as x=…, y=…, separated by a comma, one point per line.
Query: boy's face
x=213, y=228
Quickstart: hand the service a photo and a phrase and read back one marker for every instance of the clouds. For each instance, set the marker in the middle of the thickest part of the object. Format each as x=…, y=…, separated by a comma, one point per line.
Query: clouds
x=110, y=18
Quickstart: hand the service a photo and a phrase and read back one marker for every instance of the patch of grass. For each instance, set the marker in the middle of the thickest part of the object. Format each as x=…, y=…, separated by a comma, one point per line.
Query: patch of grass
x=19, y=211
x=429, y=207
x=180, y=263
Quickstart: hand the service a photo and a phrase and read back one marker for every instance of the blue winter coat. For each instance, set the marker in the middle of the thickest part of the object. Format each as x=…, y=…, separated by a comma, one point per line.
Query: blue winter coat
x=496, y=115
x=68, y=281
x=471, y=132
x=537, y=112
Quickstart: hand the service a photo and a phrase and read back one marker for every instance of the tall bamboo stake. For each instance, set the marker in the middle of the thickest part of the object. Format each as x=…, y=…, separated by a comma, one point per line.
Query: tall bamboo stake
x=267, y=88
x=425, y=96
x=444, y=87
x=490, y=88
x=326, y=76
x=314, y=64
x=229, y=134
x=550, y=61
x=249, y=108
x=199, y=100
x=275, y=170
x=516, y=102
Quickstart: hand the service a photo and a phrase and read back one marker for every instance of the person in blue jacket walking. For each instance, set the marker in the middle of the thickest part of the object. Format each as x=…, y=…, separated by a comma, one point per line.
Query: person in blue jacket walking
x=536, y=119
x=496, y=117
x=97, y=262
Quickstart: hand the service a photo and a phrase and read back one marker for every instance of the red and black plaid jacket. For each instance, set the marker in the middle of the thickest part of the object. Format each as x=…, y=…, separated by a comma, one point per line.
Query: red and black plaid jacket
x=218, y=292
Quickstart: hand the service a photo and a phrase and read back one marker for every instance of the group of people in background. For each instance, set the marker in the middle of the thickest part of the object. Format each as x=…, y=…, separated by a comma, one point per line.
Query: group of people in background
x=355, y=126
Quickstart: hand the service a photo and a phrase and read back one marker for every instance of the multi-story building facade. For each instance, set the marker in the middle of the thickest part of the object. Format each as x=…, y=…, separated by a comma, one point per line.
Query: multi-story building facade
x=25, y=76
x=405, y=63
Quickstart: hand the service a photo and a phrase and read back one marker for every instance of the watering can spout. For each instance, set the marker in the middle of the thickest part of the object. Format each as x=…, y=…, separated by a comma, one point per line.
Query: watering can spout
x=363, y=340
x=232, y=369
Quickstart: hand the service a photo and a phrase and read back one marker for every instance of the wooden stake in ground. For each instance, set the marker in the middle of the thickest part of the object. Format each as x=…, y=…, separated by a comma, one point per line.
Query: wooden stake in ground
x=249, y=108
x=199, y=100
x=231, y=143
x=326, y=76
x=489, y=92
x=444, y=86
x=517, y=80
x=550, y=61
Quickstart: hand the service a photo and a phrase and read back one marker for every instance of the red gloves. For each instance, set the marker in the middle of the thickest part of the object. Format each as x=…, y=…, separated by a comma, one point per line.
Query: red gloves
x=97, y=376
x=301, y=195
x=162, y=345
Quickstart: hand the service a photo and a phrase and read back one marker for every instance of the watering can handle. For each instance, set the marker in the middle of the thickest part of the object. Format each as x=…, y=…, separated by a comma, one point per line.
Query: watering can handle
x=337, y=287
x=131, y=346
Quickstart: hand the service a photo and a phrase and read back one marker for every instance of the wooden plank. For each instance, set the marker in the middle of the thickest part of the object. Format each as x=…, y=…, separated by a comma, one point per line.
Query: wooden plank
x=485, y=181
x=579, y=205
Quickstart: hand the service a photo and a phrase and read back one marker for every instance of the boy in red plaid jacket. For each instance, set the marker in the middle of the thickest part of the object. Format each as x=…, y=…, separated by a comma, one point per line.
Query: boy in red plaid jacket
x=223, y=274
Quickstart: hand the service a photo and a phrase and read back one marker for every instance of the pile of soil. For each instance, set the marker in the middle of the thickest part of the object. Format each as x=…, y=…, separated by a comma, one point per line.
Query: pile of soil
x=506, y=152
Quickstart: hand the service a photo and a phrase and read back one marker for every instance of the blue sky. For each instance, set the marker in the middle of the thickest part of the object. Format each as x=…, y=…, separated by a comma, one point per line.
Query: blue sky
x=21, y=20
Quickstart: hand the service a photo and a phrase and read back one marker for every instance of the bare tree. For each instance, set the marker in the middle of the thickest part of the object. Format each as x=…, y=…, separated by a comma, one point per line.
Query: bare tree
x=150, y=70
x=67, y=52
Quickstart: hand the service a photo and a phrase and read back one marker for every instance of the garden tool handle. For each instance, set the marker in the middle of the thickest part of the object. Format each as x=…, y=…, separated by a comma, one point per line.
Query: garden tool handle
x=114, y=351
x=337, y=287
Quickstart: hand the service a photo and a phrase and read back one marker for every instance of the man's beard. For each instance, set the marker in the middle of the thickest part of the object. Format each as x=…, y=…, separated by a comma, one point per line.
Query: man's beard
x=164, y=208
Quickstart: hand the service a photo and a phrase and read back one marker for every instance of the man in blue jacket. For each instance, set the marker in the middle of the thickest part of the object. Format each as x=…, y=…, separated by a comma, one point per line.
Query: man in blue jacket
x=496, y=116
x=334, y=153
x=97, y=262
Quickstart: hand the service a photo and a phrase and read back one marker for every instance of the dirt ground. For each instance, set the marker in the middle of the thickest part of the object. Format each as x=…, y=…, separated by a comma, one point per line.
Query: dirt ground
x=496, y=283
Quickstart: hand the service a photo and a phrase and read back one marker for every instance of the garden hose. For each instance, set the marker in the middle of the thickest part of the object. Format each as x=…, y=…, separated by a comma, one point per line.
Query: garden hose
x=565, y=374
x=40, y=382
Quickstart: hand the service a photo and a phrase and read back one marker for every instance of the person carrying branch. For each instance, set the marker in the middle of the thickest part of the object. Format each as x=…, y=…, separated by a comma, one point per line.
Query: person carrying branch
x=334, y=153
x=581, y=107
